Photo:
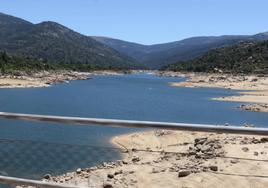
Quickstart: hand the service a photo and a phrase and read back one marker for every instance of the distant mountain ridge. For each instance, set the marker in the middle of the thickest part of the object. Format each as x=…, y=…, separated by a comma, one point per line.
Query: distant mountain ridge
x=159, y=55
x=50, y=41
x=57, y=43
x=245, y=57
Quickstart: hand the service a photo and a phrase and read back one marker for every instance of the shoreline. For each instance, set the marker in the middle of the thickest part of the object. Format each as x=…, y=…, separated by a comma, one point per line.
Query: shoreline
x=252, y=89
x=48, y=78
x=181, y=159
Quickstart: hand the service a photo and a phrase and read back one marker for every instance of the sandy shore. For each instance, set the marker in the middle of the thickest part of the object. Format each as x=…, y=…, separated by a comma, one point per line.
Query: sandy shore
x=186, y=159
x=179, y=159
x=46, y=79
x=182, y=159
x=255, y=93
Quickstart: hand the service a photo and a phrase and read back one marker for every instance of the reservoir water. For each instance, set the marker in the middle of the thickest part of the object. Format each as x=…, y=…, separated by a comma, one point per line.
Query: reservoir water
x=31, y=150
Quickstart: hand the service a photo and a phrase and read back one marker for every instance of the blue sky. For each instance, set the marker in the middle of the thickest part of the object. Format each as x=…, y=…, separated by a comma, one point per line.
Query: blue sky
x=147, y=21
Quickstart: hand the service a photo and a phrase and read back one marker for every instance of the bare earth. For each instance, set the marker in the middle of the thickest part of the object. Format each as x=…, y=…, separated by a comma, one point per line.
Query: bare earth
x=256, y=88
x=45, y=78
x=181, y=160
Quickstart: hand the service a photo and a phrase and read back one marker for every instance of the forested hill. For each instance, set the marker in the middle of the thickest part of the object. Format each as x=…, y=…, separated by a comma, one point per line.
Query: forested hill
x=159, y=55
x=10, y=64
x=247, y=57
x=19, y=65
x=54, y=43
x=57, y=44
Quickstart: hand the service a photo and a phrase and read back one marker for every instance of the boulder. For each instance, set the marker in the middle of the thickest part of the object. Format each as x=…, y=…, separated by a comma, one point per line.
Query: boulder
x=184, y=173
x=118, y=172
x=245, y=149
x=264, y=140
x=111, y=176
x=47, y=176
x=107, y=185
x=213, y=168
x=78, y=171
x=135, y=159
x=234, y=161
x=205, y=148
x=200, y=140
x=154, y=171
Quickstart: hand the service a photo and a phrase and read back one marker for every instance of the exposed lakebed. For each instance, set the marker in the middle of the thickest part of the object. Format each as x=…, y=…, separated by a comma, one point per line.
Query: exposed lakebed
x=33, y=149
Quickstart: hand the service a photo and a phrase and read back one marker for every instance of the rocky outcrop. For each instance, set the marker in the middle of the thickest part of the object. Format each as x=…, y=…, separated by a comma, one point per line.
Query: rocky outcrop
x=254, y=107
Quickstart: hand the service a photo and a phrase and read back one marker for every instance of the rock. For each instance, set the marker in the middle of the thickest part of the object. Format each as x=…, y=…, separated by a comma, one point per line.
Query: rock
x=133, y=181
x=243, y=142
x=217, y=146
x=200, y=140
x=135, y=159
x=154, y=171
x=134, y=150
x=124, y=162
x=185, y=143
x=256, y=141
x=68, y=178
x=205, y=148
x=92, y=169
x=264, y=140
x=70, y=174
x=159, y=133
x=234, y=161
x=198, y=154
x=111, y=176
x=47, y=176
x=213, y=168
x=78, y=171
x=118, y=172
x=184, y=173
x=245, y=149
x=198, y=147
x=107, y=185
x=210, y=153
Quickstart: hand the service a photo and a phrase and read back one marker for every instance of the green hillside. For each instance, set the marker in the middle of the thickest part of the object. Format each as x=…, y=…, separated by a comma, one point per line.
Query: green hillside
x=56, y=43
x=159, y=55
x=11, y=64
x=247, y=57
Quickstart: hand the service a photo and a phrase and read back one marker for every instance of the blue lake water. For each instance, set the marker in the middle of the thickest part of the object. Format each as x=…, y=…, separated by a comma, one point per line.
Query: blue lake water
x=33, y=149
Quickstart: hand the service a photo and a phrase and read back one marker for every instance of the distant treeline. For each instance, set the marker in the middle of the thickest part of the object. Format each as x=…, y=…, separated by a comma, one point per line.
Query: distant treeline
x=11, y=64
x=247, y=57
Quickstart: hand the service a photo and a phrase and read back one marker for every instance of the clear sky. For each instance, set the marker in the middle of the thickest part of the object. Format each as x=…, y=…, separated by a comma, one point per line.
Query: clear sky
x=147, y=21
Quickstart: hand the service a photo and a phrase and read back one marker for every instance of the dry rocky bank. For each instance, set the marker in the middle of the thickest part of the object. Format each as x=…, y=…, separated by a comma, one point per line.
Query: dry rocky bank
x=47, y=78
x=186, y=159
x=178, y=159
x=253, y=89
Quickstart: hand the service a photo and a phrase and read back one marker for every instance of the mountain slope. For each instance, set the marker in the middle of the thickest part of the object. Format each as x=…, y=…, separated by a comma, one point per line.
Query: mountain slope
x=134, y=50
x=10, y=26
x=159, y=55
x=56, y=43
x=246, y=57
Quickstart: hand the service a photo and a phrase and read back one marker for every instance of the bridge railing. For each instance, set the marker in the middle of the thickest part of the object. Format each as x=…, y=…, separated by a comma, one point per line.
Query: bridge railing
x=102, y=122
